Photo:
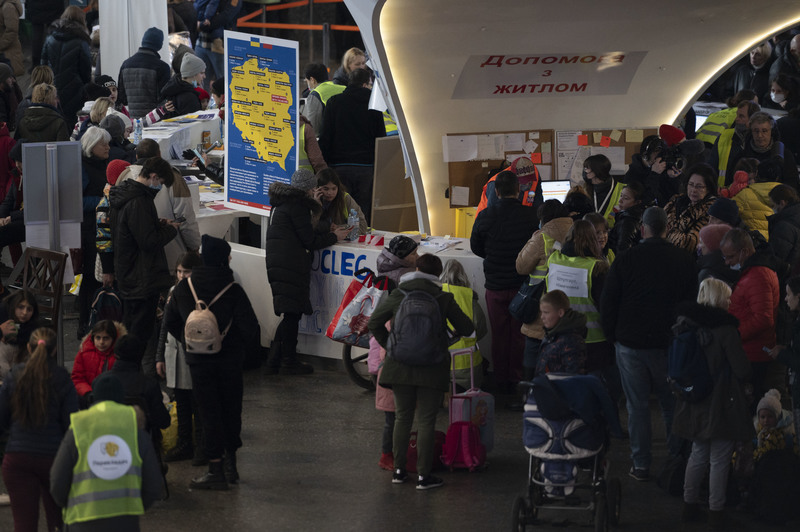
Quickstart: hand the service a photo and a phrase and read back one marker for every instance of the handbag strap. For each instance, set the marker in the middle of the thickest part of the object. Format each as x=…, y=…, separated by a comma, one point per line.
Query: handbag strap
x=197, y=301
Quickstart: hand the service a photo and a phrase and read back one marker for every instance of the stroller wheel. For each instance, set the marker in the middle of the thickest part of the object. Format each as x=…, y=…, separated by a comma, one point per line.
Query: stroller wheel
x=519, y=516
x=600, y=513
x=614, y=500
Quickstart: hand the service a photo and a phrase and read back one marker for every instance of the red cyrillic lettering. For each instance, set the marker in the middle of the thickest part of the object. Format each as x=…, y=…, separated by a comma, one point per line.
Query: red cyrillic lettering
x=532, y=60
x=547, y=73
x=549, y=85
x=516, y=60
x=565, y=59
x=588, y=59
x=498, y=61
x=562, y=87
x=502, y=89
x=519, y=88
x=549, y=60
x=533, y=87
x=578, y=88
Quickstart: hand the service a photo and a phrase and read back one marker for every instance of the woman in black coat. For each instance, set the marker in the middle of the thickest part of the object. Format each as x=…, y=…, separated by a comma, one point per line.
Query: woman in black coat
x=66, y=51
x=291, y=239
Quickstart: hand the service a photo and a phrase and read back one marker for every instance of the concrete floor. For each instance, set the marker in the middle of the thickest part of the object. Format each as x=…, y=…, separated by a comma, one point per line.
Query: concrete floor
x=309, y=462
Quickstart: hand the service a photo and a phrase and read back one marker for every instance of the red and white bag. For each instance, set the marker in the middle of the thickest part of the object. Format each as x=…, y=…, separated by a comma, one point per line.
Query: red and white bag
x=349, y=324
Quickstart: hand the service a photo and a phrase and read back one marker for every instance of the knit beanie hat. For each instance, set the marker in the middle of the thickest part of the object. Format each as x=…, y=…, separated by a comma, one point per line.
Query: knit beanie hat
x=726, y=210
x=304, y=179
x=711, y=235
x=114, y=169
x=670, y=134
x=108, y=387
x=129, y=348
x=94, y=91
x=191, y=65
x=771, y=401
x=214, y=251
x=105, y=81
x=115, y=127
x=402, y=246
x=153, y=39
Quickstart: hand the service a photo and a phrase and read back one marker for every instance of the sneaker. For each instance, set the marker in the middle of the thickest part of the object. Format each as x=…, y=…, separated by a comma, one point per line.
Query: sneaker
x=386, y=462
x=429, y=482
x=399, y=476
x=641, y=475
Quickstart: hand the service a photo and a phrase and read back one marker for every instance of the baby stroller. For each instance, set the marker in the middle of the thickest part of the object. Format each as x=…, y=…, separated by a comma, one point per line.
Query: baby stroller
x=566, y=432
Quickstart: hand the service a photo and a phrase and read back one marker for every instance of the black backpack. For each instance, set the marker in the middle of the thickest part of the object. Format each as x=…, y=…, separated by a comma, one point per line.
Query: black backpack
x=417, y=330
x=687, y=367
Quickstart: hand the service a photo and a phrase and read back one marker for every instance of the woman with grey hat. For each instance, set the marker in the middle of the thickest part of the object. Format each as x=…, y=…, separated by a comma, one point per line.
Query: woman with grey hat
x=180, y=88
x=291, y=240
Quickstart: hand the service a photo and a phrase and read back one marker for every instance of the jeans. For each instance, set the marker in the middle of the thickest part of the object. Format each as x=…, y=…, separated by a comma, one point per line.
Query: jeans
x=717, y=454
x=644, y=371
x=388, y=433
x=426, y=403
x=508, y=343
x=27, y=478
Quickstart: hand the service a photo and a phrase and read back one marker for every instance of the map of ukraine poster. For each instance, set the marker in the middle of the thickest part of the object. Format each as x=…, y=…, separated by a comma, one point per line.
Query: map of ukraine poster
x=261, y=117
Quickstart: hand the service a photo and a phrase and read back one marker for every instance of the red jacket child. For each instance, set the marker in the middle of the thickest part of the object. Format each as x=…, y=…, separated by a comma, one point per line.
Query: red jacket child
x=91, y=361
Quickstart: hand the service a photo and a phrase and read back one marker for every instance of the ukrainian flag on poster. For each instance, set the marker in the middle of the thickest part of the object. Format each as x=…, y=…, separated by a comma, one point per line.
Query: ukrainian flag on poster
x=255, y=42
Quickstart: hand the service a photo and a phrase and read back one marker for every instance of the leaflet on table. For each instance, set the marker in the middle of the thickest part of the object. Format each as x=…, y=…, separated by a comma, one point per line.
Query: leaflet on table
x=261, y=91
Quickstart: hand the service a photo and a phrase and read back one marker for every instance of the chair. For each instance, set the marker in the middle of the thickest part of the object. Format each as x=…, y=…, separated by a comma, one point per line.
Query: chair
x=42, y=273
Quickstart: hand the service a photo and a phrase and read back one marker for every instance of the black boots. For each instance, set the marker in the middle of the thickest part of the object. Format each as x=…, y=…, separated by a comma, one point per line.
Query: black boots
x=229, y=467
x=283, y=359
x=182, y=451
x=214, y=479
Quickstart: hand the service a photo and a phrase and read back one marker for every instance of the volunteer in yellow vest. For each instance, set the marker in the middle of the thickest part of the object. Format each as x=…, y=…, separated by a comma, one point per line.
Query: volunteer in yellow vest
x=530, y=186
x=554, y=224
x=600, y=225
x=724, y=119
x=579, y=270
x=106, y=472
x=603, y=189
x=320, y=90
x=731, y=140
x=456, y=281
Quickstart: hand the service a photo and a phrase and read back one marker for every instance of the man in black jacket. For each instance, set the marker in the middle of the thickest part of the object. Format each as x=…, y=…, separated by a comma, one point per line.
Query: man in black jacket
x=347, y=139
x=143, y=75
x=637, y=311
x=139, y=237
x=499, y=233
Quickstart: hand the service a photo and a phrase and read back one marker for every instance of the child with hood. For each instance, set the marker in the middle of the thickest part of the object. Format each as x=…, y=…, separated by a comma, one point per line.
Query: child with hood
x=563, y=348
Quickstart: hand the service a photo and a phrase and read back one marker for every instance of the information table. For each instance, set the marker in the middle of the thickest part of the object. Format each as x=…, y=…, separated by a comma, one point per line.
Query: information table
x=332, y=271
x=177, y=134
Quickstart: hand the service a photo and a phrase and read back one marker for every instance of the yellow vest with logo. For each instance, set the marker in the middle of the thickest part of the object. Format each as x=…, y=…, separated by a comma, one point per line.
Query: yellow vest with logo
x=715, y=124
x=107, y=478
x=461, y=349
x=326, y=89
x=573, y=276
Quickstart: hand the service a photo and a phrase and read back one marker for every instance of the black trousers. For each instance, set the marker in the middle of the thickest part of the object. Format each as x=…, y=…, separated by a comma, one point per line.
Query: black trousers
x=218, y=388
x=139, y=317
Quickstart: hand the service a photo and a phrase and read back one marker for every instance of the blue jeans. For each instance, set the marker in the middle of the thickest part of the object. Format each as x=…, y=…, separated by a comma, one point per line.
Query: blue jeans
x=644, y=371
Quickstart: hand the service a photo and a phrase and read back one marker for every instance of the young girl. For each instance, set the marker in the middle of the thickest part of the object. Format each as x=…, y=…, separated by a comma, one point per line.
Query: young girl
x=336, y=202
x=601, y=232
x=774, y=426
x=96, y=355
x=36, y=401
x=19, y=317
x=171, y=364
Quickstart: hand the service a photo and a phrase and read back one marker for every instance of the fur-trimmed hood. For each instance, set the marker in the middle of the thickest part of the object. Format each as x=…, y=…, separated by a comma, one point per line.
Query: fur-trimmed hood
x=280, y=193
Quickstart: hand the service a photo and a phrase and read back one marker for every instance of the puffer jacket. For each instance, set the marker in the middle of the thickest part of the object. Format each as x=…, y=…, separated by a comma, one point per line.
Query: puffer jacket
x=42, y=123
x=563, y=349
x=10, y=46
x=140, y=80
x=784, y=235
x=393, y=266
x=532, y=256
x=754, y=206
x=754, y=302
x=291, y=240
x=723, y=415
x=140, y=264
x=89, y=363
x=182, y=95
x=66, y=51
x=685, y=219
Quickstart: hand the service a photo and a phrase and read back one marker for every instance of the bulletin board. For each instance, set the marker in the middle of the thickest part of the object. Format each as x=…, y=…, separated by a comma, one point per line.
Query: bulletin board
x=470, y=157
x=573, y=147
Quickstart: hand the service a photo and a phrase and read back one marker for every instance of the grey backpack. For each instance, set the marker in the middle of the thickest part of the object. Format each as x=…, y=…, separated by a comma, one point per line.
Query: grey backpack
x=417, y=330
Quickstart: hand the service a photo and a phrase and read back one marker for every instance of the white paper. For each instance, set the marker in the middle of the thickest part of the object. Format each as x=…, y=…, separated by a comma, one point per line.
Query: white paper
x=459, y=196
x=567, y=140
x=460, y=148
x=38, y=235
x=571, y=281
x=545, y=172
x=514, y=141
x=533, y=135
x=616, y=155
x=564, y=163
x=491, y=146
x=547, y=157
x=530, y=147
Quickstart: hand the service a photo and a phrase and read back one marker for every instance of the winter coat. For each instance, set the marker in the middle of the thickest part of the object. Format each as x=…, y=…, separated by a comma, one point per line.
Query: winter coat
x=144, y=391
x=340, y=76
x=291, y=241
x=233, y=308
x=90, y=363
x=685, y=219
x=658, y=188
x=642, y=288
x=725, y=413
x=393, y=266
x=790, y=356
x=140, y=263
x=43, y=11
x=754, y=206
x=7, y=165
x=170, y=352
x=435, y=376
x=94, y=181
x=42, y=123
x=66, y=51
x=13, y=348
x=220, y=13
x=713, y=265
x=784, y=235
x=498, y=235
x=10, y=46
x=758, y=80
x=563, y=349
x=182, y=95
x=349, y=128
x=532, y=255
x=754, y=302
x=140, y=80
x=61, y=402
x=626, y=232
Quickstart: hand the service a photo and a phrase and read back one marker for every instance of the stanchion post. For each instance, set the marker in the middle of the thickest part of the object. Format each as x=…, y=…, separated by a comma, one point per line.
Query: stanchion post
x=55, y=234
x=326, y=43
x=311, y=32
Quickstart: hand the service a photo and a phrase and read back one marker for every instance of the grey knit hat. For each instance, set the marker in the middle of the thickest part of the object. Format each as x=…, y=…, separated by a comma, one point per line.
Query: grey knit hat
x=191, y=65
x=304, y=179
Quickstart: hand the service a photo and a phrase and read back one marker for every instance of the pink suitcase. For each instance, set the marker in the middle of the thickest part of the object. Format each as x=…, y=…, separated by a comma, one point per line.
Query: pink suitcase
x=474, y=405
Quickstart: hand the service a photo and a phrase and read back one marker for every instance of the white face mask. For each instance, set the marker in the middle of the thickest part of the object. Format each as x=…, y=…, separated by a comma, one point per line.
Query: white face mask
x=736, y=267
x=777, y=98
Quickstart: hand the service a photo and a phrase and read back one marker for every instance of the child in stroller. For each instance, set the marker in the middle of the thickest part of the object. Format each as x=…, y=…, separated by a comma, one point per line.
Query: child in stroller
x=566, y=428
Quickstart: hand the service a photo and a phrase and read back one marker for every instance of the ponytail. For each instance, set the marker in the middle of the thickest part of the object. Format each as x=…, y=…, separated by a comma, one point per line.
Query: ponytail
x=31, y=396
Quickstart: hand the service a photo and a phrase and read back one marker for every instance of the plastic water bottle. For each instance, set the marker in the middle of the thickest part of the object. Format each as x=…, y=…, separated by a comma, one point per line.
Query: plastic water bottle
x=352, y=221
x=137, y=131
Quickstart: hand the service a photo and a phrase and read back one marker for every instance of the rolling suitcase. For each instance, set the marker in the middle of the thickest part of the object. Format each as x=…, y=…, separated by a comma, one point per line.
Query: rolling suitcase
x=474, y=405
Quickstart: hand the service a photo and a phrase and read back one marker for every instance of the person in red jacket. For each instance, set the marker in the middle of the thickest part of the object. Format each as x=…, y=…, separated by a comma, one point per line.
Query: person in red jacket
x=95, y=357
x=530, y=186
x=754, y=303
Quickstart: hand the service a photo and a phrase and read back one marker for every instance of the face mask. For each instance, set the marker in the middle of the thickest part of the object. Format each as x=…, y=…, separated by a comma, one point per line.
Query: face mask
x=155, y=187
x=777, y=98
x=736, y=267
x=194, y=83
x=540, y=224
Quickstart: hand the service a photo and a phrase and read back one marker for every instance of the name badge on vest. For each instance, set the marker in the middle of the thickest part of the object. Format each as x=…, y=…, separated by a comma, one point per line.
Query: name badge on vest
x=571, y=281
x=109, y=457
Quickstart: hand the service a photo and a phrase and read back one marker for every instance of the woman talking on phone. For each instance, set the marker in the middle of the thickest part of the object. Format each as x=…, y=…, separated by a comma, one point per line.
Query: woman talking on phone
x=336, y=202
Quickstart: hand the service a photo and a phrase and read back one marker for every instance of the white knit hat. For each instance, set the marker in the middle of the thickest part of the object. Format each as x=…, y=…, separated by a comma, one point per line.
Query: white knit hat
x=771, y=401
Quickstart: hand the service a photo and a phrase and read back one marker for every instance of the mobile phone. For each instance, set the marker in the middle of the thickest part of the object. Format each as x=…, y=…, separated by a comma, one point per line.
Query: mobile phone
x=181, y=219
